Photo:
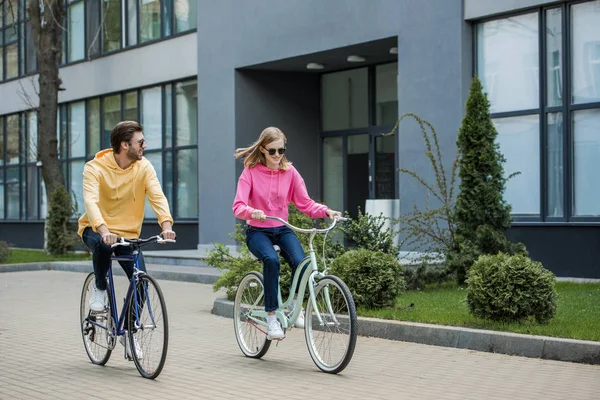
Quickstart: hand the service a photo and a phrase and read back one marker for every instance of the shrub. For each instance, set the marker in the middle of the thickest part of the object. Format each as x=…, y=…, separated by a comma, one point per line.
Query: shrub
x=425, y=274
x=374, y=278
x=61, y=234
x=4, y=252
x=369, y=232
x=510, y=288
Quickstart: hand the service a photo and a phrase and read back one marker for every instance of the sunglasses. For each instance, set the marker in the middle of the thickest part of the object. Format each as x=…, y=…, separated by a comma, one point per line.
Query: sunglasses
x=273, y=151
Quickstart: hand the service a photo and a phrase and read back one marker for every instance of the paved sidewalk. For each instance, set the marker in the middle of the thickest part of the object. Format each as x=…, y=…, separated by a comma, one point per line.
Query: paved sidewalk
x=42, y=357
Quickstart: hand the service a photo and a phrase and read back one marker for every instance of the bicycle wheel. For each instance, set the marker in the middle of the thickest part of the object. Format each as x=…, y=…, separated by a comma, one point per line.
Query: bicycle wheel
x=96, y=328
x=331, y=341
x=251, y=337
x=148, y=328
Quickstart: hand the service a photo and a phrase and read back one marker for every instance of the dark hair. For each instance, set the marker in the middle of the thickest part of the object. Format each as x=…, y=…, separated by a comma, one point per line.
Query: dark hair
x=123, y=132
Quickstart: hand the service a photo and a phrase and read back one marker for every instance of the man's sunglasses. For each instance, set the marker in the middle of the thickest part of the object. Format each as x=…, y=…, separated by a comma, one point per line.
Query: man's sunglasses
x=273, y=151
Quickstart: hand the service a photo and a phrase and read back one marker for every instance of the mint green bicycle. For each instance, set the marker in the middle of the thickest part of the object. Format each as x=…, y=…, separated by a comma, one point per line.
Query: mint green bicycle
x=330, y=323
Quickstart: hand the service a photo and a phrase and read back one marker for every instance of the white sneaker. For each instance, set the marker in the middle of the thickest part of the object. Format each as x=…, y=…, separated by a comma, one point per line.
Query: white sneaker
x=274, y=331
x=300, y=320
x=98, y=300
x=125, y=342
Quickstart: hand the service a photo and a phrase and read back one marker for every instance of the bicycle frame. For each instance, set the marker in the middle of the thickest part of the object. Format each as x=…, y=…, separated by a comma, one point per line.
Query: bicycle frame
x=308, y=279
x=119, y=329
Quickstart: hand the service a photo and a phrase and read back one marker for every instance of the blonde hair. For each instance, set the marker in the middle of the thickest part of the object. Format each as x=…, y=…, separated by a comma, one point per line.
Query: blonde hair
x=252, y=153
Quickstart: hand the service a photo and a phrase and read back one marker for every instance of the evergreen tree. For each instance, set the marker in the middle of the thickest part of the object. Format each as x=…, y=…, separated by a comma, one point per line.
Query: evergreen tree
x=481, y=214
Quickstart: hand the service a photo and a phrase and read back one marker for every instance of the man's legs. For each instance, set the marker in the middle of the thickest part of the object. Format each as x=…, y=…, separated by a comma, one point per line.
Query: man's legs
x=101, y=254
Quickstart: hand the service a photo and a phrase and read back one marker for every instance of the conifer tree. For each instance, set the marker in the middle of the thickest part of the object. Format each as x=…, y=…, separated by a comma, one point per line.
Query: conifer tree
x=481, y=214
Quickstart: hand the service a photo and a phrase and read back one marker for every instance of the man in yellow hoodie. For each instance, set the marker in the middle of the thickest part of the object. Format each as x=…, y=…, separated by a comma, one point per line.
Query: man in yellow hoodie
x=115, y=185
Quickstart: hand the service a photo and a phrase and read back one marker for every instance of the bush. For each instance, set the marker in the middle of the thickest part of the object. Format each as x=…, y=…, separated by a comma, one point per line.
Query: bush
x=4, y=252
x=417, y=278
x=374, y=278
x=369, y=232
x=510, y=288
x=61, y=234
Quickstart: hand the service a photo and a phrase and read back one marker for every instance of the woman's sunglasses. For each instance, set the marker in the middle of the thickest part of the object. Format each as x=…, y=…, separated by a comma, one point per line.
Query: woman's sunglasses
x=273, y=151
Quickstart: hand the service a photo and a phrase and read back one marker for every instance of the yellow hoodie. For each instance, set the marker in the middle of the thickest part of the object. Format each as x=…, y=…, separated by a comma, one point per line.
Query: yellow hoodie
x=115, y=197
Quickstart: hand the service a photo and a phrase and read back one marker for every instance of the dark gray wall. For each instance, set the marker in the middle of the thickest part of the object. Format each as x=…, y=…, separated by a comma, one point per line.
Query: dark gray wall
x=289, y=101
x=484, y=8
x=433, y=51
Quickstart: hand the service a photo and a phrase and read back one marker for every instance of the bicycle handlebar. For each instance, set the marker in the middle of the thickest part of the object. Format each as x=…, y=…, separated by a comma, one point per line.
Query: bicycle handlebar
x=152, y=239
x=336, y=219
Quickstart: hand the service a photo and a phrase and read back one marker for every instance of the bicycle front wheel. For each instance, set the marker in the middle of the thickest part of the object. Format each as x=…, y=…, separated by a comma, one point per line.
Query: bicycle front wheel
x=249, y=298
x=148, y=327
x=331, y=328
x=96, y=327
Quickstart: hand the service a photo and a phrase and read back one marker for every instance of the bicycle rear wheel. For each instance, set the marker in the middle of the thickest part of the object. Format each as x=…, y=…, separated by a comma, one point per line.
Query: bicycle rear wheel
x=331, y=341
x=248, y=298
x=96, y=327
x=148, y=327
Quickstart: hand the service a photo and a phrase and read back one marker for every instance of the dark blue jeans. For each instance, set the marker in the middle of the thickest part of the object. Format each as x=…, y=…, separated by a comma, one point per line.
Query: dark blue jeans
x=260, y=242
x=101, y=254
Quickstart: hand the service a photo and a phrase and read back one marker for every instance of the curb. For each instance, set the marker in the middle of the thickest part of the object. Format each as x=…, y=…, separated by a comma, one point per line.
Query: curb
x=544, y=347
x=166, y=274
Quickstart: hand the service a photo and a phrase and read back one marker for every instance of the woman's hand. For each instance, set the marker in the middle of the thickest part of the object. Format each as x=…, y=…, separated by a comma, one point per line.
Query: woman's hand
x=332, y=214
x=258, y=215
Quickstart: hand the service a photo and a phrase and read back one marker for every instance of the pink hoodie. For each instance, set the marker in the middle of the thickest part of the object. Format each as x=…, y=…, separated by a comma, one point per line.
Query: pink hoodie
x=260, y=188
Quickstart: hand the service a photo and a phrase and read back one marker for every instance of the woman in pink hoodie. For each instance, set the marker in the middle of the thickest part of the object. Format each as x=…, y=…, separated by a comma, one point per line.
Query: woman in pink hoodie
x=267, y=185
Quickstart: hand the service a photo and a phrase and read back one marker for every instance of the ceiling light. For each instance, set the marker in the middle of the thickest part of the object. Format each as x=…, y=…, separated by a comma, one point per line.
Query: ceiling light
x=314, y=66
x=355, y=59
x=393, y=50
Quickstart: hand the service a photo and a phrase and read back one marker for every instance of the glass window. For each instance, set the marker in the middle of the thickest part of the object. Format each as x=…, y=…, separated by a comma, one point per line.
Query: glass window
x=32, y=130
x=30, y=53
x=156, y=161
x=13, y=133
x=169, y=116
x=151, y=117
x=167, y=16
x=43, y=201
x=507, y=62
x=357, y=172
x=12, y=61
x=131, y=106
x=385, y=167
x=76, y=187
x=345, y=99
x=386, y=92
x=586, y=154
x=77, y=129
x=185, y=15
x=132, y=22
x=1, y=146
x=112, y=116
x=92, y=26
x=149, y=20
x=12, y=193
x=32, y=192
x=187, y=113
x=76, y=32
x=555, y=151
x=585, y=52
x=1, y=60
x=111, y=25
x=10, y=13
x=519, y=141
x=333, y=172
x=187, y=183
x=554, y=57
x=1, y=195
x=93, y=127
x=167, y=181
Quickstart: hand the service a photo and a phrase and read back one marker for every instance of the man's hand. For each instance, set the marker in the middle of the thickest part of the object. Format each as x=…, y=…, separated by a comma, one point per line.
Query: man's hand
x=167, y=231
x=259, y=215
x=107, y=237
x=332, y=214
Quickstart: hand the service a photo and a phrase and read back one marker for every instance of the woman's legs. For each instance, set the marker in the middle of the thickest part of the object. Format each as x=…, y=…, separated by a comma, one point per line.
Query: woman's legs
x=260, y=243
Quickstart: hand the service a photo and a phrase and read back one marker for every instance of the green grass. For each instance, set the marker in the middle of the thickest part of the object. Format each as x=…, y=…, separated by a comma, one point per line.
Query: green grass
x=577, y=316
x=20, y=256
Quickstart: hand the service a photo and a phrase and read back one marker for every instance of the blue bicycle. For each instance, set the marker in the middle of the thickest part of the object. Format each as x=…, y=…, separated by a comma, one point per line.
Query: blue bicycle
x=143, y=325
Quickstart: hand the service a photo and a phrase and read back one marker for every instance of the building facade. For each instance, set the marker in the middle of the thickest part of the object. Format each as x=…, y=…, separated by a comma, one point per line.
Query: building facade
x=205, y=77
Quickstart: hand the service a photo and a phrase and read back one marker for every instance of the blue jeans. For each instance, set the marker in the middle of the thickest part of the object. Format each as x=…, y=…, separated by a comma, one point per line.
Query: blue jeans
x=260, y=242
x=101, y=254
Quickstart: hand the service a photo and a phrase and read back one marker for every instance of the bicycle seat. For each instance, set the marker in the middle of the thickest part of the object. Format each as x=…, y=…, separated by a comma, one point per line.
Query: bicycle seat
x=276, y=248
